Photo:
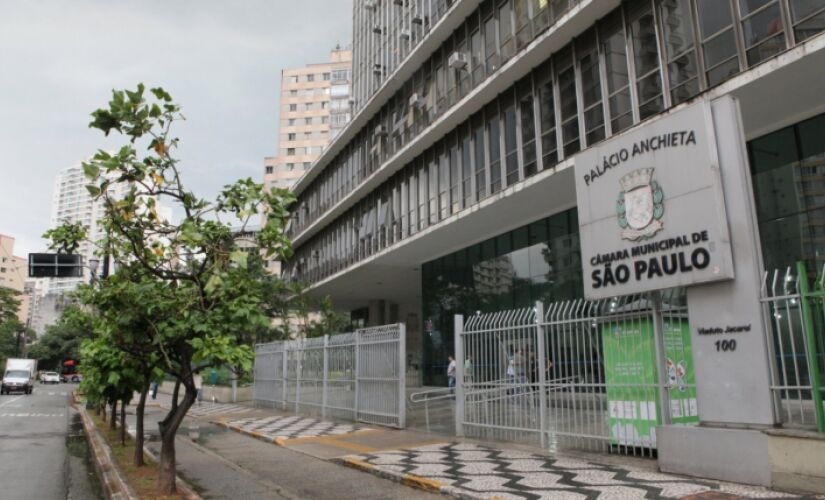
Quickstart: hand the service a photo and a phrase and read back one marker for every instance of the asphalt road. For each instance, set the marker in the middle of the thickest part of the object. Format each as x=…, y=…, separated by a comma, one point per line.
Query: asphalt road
x=43, y=453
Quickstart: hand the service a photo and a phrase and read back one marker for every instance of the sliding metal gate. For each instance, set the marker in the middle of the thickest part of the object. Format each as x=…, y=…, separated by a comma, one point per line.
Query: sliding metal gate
x=358, y=376
x=594, y=375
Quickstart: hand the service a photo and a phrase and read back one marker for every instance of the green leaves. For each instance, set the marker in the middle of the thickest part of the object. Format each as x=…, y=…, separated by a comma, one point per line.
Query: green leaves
x=67, y=237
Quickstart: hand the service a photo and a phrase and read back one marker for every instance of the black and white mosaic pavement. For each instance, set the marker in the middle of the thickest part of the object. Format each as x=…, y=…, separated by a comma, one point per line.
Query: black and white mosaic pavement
x=205, y=408
x=209, y=409
x=289, y=427
x=472, y=471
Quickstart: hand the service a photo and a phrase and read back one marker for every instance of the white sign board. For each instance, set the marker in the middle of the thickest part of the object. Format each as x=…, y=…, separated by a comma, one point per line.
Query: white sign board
x=651, y=207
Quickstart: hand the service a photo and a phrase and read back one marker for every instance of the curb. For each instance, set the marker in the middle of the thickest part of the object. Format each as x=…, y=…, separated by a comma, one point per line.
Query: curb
x=411, y=480
x=114, y=484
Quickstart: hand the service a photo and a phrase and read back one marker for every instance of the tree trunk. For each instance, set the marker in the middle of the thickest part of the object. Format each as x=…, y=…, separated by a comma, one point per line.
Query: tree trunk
x=113, y=420
x=139, y=410
x=168, y=430
x=123, y=423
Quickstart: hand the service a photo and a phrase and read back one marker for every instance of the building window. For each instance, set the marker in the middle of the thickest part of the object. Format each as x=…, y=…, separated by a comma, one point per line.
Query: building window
x=478, y=157
x=510, y=141
x=290, y=137
x=591, y=86
x=308, y=121
x=787, y=168
x=291, y=121
x=269, y=169
x=490, y=44
x=807, y=17
x=310, y=78
x=528, y=126
x=466, y=168
x=290, y=166
x=293, y=93
x=762, y=29
x=505, y=31
x=569, y=109
x=614, y=48
x=680, y=50
x=292, y=79
x=718, y=40
x=290, y=151
x=547, y=117
x=293, y=107
x=325, y=76
x=646, y=57
x=494, y=148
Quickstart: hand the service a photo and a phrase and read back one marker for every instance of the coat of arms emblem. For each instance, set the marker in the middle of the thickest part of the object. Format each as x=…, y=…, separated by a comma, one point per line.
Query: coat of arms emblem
x=640, y=206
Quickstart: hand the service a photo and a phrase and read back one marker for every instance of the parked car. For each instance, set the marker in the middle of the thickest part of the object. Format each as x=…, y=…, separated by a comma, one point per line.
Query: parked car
x=49, y=378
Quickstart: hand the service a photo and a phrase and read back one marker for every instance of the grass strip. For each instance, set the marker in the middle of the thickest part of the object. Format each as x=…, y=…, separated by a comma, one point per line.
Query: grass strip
x=143, y=480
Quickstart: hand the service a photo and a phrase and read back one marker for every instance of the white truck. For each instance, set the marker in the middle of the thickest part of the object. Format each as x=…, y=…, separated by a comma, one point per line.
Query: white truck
x=19, y=376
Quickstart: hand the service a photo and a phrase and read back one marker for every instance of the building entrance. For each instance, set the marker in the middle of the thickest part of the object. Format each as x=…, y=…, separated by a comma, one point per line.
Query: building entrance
x=590, y=375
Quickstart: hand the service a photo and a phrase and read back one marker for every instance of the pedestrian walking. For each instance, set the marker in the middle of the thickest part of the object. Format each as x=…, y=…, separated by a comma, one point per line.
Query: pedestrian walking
x=154, y=390
x=198, y=379
x=451, y=373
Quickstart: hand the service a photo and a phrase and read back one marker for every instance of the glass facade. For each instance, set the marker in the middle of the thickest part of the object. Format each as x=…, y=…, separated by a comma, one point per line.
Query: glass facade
x=642, y=58
x=540, y=261
x=788, y=169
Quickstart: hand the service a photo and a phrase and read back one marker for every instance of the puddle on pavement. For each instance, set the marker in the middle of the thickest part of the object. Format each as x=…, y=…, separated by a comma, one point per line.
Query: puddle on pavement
x=84, y=482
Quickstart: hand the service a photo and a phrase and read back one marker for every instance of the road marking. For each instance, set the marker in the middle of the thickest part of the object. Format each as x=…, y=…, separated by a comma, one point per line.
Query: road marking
x=27, y=415
x=10, y=401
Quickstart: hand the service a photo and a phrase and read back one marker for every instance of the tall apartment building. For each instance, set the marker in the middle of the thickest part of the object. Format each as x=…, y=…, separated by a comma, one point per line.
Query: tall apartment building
x=315, y=106
x=453, y=190
x=71, y=202
x=13, y=273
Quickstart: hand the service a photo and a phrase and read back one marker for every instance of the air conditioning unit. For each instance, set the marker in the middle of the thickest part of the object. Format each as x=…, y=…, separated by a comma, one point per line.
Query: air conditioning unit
x=404, y=34
x=378, y=30
x=380, y=131
x=377, y=69
x=416, y=19
x=457, y=60
x=398, y=2
x=416, y=101
x=370, y=4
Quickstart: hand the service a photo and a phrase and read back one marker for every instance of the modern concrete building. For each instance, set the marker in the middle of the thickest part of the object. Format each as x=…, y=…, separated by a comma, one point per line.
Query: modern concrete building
x=454, y=188
x=13, y=272
x=481, y=100
x=314, y=107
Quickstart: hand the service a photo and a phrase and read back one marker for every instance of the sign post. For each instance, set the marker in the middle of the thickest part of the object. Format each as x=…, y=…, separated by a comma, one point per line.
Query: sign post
x=655, y=210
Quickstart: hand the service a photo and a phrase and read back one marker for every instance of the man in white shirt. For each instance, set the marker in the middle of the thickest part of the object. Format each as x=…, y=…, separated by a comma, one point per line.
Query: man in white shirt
x=451, y=373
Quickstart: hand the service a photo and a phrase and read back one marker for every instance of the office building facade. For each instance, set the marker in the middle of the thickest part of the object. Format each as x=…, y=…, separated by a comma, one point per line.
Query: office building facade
x=469, y=117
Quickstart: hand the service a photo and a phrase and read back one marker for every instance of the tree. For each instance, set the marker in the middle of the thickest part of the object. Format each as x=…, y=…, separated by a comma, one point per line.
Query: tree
x=67, y=237
x=126, y=324
x=62, y=340
x=208, y=290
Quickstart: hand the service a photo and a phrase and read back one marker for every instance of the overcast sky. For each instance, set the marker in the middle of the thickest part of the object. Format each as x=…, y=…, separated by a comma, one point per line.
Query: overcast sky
x=221, y=60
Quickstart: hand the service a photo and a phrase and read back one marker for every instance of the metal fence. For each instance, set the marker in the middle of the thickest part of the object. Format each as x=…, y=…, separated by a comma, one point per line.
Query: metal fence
x=593, y=375
x=795, y=317
x=356, y=376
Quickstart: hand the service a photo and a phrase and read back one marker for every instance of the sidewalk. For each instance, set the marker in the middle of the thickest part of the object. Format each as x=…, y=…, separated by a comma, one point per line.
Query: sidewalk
x=221, y=463
x=305, y=457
